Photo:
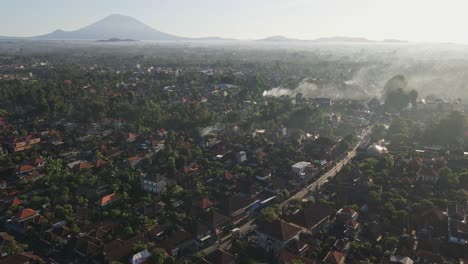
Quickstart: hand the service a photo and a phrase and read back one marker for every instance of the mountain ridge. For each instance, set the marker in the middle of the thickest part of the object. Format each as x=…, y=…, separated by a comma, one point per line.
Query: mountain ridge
x=118, y=26
x=112, y=26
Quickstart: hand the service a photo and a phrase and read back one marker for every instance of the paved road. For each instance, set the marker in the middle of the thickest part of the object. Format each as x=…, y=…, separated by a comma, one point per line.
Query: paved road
x=226, y=240
x=323, y=179
x=247, y=227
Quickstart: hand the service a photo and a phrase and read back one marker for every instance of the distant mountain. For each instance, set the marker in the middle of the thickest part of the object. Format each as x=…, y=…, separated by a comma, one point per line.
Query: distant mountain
x=325, y=40
x=118, y=28
x=342, y=39
x=395, y=41
x=116, y=40
x=213, y=39
x=113, y=26
x=278, y=39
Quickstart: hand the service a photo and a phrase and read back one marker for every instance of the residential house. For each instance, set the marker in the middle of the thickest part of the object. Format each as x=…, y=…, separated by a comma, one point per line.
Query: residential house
x=427, y=175
x=201, y=205
x=457, y=224
x=286, y=257
x=397, y=259
x=140, y=257
x=88, y=247
x=312, y=218
x=108, y=199
x=176, y=242
x=215, y=220
x=25, y=169
x=273, y=236
x=121, y=250
x=16, y=202
x=347, y=213
x=352, y=228
x=335, y=257
x=17, y=144
x=23, y=258
x=300, y=168
x=219, y=257
x=26, y=215
x=297, y=247
x=237, y=207
x=241, y=156
x=154, y=183
x=134, y=161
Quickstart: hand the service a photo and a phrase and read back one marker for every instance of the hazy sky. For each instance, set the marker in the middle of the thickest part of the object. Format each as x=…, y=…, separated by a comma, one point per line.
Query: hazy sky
x=415, y=20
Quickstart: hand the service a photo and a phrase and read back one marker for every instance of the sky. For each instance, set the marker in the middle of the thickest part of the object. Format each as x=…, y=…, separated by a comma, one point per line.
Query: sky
x=413, y=20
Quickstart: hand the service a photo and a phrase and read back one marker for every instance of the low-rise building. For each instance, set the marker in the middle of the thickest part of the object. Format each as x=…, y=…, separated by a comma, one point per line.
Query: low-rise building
x=154, y=183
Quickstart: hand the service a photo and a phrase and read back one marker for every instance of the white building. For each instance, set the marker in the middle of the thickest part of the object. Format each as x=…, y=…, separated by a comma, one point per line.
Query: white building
x=241, y=156
x=300, y=168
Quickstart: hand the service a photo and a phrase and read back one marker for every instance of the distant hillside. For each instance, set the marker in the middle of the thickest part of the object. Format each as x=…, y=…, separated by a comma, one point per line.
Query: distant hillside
x=278, y=38
x=342, y=39
x=113, y=26
x=116, y=40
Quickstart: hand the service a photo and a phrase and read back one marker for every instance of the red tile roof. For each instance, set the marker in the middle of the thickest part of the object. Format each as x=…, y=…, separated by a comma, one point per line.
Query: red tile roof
x=38, y=161
x=26, y=167
x=25, y=214
x=310, y=217
x=352, y=223
x=348, y=211
x=204, y=203
x=108, y=199
x=85, y=165
x=100, y=163
x=287, y=257
x=279, y=229
x=334, y=257
x=228, y=176
x=17, y=201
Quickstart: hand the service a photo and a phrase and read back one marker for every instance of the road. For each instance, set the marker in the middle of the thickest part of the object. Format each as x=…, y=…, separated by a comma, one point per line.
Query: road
x=226, y=241
x=323, y=179
x=247, y=227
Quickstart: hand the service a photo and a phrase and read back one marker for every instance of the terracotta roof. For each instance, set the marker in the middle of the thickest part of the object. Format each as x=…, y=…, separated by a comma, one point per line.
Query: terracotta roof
x=215, y=218
x=38, y=161
x=287, y=257
x=228, y=176
x=26, y=167
x=17, y=201
x=310, y=216
x=25, y=214
x=85, y=165
x=334, y=257
x=108, y=199
x=204, y=203
x=134, y=158
x=235, y=203
x=279, y=230
x=352, y=223
x=100, y=163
